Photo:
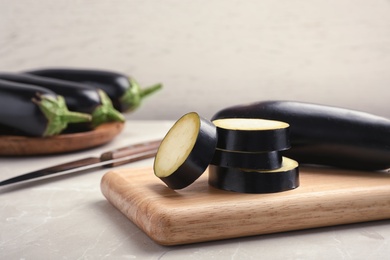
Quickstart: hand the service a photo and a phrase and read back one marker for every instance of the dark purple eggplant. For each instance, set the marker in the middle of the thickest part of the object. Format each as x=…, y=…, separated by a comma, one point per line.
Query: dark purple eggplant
x=124, y=92
x=325, y=135
x=79, y=97
x=34, y=111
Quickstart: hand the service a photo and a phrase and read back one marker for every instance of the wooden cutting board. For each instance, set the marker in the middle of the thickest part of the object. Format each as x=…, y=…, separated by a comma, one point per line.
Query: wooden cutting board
x=201, y=213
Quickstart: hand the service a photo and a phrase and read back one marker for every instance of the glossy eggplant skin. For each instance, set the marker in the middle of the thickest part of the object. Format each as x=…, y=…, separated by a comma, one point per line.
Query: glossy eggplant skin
x=325, y=135
x=124, y=91
x=255, y=161
x=78, y=97
x=18, y=112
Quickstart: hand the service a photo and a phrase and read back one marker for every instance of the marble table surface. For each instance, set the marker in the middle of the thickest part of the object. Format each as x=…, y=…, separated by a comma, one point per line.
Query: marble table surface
x=67, y=217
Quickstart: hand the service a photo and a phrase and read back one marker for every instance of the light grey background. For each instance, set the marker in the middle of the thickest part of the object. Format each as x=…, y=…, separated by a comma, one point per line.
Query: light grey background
x=212, y=53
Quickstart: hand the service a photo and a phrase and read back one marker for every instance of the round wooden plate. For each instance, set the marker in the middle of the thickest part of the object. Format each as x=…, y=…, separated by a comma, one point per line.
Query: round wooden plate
x=20, y=145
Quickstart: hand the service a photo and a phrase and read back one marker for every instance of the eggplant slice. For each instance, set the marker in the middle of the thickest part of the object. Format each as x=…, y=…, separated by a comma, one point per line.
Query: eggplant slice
x=254, y=161
x=186, y=151
x=250, y=181
x=252, y=135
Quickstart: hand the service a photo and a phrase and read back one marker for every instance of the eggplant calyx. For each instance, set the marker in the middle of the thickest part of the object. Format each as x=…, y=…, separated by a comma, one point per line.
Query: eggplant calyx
x=106, y=111
x=133, y=97
x=57, y=114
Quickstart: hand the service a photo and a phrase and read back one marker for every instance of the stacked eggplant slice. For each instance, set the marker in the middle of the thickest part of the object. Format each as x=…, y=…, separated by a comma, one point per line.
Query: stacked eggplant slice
x=243, y=155
x=248, y=156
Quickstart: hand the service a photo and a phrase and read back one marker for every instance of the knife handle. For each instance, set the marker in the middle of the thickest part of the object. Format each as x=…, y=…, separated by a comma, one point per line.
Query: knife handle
x=135, y=152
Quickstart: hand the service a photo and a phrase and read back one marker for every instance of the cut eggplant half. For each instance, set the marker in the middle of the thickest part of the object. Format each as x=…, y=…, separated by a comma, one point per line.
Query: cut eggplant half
x=252, y=135
x=186, y=151
x=248, y=160
x=249, y=181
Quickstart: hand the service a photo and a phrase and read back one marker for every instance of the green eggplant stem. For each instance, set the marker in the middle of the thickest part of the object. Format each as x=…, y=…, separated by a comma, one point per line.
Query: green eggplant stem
x=133, y=97
x=150, y=90
x=105, y=112
x=57, y=114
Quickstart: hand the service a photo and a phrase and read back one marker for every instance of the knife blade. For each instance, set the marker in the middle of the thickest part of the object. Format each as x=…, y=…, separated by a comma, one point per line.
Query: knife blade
x=131, y=153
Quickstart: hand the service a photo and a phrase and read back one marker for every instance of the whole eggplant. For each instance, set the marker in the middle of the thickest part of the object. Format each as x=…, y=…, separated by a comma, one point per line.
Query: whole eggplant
x=124, y=92
x=34, y=111
x=78, y=97
x=325, y=135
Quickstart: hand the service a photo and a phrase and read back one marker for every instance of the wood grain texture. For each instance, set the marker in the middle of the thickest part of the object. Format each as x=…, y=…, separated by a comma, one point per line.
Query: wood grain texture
x=201, y=213
x=22, y=146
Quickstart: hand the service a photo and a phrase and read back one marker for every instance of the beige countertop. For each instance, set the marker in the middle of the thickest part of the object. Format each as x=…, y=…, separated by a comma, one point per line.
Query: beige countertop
x=67, y=217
